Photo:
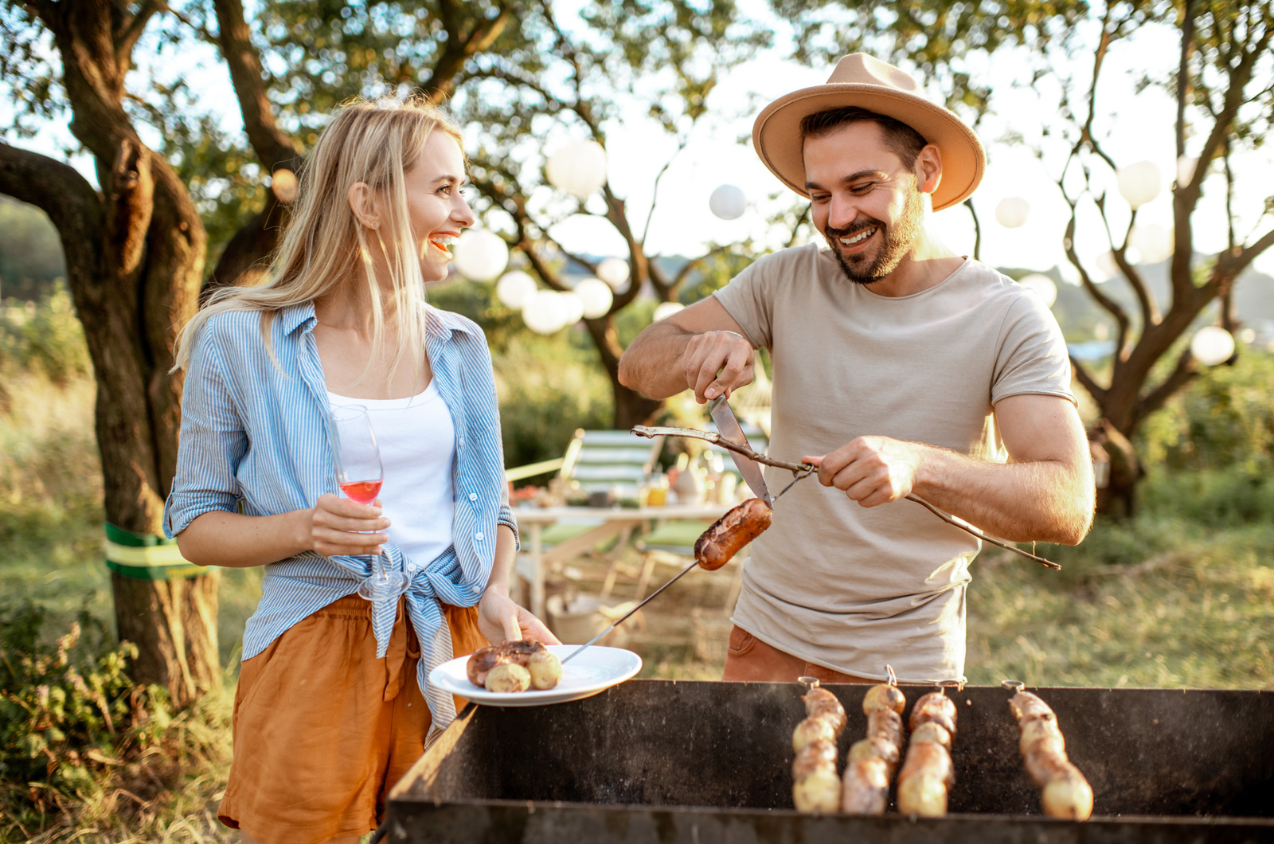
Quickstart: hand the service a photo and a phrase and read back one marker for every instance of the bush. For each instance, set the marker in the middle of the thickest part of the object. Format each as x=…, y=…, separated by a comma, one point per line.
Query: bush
x=46, y=337
x=67, y=712
x=76, y=734
x=1222, y=419
x=547, y=390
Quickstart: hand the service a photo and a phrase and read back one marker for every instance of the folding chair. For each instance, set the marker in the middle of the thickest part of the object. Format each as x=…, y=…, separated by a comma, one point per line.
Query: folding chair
x=610, y=463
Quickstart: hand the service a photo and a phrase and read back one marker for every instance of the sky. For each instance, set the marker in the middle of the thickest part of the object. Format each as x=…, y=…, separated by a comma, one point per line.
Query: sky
x=1138, y=127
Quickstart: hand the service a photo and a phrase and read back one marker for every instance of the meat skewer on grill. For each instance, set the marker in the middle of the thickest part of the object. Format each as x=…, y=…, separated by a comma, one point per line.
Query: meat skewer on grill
x=927, y=774
x=873, y=760
x=816, y=787
x=1064, y=791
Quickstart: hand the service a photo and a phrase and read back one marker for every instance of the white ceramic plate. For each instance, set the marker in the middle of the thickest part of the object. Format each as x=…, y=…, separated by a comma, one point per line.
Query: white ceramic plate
x=593, y=671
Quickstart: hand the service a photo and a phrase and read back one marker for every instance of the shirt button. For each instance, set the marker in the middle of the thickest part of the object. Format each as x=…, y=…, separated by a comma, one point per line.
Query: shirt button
x=478, y=536
x=411, y=567
x=473, y=496
x=462, y=441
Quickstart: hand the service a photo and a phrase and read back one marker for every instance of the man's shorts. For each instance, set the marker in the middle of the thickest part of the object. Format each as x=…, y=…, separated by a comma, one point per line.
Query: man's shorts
x=323, y=729
x=750, y=659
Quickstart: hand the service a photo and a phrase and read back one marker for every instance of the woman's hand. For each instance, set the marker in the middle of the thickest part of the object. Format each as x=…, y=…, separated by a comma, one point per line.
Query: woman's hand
x=340, y=527
x=501, y=619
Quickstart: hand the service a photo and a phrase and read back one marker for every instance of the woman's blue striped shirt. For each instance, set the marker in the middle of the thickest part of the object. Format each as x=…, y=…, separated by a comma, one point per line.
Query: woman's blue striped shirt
x=256, y=431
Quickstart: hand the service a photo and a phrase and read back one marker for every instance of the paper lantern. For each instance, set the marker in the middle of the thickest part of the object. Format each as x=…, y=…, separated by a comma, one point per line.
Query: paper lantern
x=667, y=309
x=1152, y=241
x=728, y=202
x=1247, y=336
x=1212, y=345
x=595, y=296
x=1139, y=183
x=1107, y=266
x=544, y=312
x=1012, y=212
x=480, y=254
x=613, y=271
x=1042, y=285
x=513, y=288
x=284, y=184
x=574, y=307
x=1186, y=166
x=578, y=168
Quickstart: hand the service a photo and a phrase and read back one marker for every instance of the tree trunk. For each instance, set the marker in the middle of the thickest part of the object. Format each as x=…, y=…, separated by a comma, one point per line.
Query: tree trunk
x=1117, y=468
x=174, y=625
x=631, y=407
x=134, y=256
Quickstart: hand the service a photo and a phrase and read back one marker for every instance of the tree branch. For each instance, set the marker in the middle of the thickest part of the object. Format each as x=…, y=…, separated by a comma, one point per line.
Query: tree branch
x=62, y=193
x=1181, y=375
x=1087, y=381
x=273, y=147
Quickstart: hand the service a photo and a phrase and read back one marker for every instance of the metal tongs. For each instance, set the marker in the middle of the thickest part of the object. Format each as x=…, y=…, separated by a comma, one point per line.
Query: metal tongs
x=804, y=470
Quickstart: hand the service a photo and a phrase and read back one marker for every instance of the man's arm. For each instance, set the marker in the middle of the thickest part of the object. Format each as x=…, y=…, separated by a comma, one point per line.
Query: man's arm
x=1045, y=492
x=700, y=347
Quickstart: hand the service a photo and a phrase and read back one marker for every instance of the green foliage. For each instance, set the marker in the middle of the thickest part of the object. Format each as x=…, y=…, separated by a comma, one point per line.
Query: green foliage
x=77, y=736
x=66, y=712
x=1224, y=418
x=548, y=388
x=1152, y=603
x=44, y=337
x=30, y=250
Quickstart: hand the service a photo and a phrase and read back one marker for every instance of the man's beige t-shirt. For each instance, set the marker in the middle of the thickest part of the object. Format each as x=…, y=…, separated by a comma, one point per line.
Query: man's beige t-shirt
x=855, y=588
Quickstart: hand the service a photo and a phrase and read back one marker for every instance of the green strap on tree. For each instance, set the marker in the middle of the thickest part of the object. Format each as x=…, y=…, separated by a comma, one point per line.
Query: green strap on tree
x=145, y=556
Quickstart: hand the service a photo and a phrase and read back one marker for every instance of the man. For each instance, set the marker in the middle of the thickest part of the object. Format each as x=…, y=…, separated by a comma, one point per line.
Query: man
x=899, y=367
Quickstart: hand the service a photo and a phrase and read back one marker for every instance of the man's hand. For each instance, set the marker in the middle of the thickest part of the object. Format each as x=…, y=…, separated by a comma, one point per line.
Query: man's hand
x=340, y=527
x=717, y=362
x=501, y=620
x=871, y=470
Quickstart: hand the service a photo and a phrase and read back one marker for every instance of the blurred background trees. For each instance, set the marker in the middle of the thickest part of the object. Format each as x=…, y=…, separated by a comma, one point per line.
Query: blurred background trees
x=182, y=199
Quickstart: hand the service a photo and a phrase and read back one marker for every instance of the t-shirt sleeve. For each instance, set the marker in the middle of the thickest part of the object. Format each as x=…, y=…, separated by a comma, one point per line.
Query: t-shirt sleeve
x=213, y=441
x=747, y=298
x=1032, y=357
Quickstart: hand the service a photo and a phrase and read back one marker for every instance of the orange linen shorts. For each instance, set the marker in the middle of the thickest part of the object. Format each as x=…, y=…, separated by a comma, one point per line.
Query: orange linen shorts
x=750, y=659
x=323, y=729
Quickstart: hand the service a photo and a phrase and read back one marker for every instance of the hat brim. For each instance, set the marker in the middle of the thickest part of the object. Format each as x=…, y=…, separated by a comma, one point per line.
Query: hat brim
x=777, y=134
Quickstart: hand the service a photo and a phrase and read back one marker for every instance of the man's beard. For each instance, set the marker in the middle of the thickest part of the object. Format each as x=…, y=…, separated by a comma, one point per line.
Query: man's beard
x=896, y=243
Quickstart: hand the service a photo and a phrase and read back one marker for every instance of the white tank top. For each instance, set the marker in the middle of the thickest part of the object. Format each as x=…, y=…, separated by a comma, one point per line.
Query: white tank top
x=418, y=449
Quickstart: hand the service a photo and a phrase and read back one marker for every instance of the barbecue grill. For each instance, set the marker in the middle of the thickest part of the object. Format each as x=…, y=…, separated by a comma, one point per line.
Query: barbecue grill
x=696, y=762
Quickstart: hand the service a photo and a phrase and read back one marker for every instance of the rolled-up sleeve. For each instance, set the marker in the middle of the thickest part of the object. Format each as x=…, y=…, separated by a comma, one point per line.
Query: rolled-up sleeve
x=212, y=443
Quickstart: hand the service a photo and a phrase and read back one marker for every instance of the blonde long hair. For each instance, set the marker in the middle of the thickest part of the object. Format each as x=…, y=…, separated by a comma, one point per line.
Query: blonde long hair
x=374, y=142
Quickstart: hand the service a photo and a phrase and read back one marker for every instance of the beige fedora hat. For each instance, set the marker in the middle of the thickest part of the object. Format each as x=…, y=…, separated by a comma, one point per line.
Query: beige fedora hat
x=863, y=81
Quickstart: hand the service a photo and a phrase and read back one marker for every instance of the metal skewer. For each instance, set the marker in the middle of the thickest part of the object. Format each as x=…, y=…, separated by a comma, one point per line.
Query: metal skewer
x=625, y=616
x=801, y=470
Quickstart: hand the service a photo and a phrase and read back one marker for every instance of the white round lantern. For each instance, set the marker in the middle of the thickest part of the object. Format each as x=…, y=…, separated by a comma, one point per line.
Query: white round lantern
x=1212, y=345
x=1152, y=241
x=1107, y=266
x=574, y=307
x=728, y=202
x=578, y=168
x=480, y=254
x=596, y=297
x=1247, y=336
x=667, y=309
x=1012, y=212
x=1042, y=285
x=1139, y=183
x=1186, y=166
x=284, y=184
x=544, y=312
x=613, y=271
x=513, y=288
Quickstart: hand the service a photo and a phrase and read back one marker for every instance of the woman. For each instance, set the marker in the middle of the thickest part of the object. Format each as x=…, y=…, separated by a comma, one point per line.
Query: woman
x=333, y=704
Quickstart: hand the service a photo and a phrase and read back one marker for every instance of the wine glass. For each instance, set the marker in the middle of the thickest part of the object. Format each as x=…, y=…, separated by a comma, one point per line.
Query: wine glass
x=359, y=473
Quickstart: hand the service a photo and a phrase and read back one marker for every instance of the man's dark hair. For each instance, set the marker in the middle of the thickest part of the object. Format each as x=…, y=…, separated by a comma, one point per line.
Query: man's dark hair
x=901, y=139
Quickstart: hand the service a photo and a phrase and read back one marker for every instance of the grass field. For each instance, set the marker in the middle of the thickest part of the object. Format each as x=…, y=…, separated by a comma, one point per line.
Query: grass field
x=1165, y=601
